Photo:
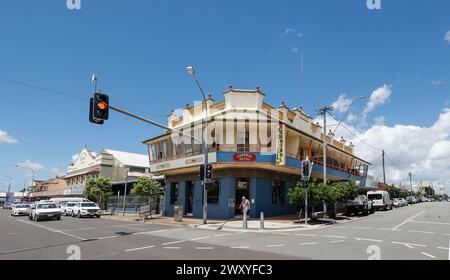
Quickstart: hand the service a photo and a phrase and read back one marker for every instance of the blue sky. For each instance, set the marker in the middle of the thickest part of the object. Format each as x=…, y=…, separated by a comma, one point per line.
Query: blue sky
x=140, y=49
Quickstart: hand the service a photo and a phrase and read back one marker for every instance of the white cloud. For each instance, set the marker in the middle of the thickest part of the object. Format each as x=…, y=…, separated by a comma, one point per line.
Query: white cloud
x=6, y=138
x=288, y=31
x=379, y=120
x=33, y=165
x=295, y=50
x=379, y=97
x=438, y=82
x=447, y=37
x=424, y=151
x=342, y=104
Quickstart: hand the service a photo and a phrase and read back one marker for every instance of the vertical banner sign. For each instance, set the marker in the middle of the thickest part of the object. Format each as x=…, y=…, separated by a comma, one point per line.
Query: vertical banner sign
x=281, y=134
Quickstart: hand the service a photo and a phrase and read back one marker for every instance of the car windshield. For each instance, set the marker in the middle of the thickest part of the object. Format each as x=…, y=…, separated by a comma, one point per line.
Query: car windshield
x=46, y=206
x=88, y=205
x=23, y=206
x=375, y=196
x=70, y=204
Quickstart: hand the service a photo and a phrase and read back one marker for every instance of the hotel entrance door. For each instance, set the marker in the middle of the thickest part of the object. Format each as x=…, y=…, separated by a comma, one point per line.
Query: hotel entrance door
x=242, y=189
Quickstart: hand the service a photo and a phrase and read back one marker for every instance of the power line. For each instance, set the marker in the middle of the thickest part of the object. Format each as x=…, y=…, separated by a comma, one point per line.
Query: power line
x=61, y=93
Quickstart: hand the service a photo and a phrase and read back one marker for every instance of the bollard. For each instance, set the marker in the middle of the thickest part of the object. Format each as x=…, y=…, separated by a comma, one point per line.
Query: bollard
x=244, y=222
x=261, y=222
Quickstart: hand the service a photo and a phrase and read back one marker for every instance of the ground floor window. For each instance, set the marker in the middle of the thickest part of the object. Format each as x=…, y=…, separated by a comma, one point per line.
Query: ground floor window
x=278, y=192
x=214, y=192
x=173, y=193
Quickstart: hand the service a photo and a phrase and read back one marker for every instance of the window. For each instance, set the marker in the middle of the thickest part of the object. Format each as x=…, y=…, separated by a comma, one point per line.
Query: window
x=214, y=192
x=174, y=193
x=278, y=192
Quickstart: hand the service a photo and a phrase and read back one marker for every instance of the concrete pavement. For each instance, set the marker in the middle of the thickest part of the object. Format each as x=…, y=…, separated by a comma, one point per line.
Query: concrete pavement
x=420, y=231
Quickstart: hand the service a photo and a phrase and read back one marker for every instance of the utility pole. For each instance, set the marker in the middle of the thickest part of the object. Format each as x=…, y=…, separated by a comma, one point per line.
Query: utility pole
x=125, y=193
x=410, y=181
x=384, y=169
x=323, y=111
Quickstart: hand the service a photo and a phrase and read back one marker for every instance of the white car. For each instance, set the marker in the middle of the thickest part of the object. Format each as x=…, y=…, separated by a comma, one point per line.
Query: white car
x=397, y=203
x=86, y=209
x=20, y=210
x=44, y=210
x=381, y=199
x=67, y=208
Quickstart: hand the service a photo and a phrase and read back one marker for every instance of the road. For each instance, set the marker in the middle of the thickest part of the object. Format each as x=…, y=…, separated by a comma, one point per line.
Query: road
x=415, y=232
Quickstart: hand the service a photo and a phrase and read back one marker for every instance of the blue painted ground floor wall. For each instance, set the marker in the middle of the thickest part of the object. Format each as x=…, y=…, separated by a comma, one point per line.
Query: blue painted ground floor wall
x=261, y=195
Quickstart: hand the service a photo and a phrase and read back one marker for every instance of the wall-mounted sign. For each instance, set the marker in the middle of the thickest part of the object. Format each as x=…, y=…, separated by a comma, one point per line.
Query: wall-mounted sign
x=194, y=160
x=281, y=135
x=244, y=157
x=161, y=166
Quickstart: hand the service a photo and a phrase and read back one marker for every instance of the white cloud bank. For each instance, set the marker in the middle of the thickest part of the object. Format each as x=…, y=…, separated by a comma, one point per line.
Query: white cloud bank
x=379, y=97
x=31, y=165
x=447, y=37
x=6, y=138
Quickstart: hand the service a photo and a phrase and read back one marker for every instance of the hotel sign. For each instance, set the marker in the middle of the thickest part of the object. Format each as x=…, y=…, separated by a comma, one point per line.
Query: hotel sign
x=244, y=157
x=281, y=135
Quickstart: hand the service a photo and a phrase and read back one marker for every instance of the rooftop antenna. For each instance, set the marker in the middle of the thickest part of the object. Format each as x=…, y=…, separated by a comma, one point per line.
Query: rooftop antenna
x=302, y=75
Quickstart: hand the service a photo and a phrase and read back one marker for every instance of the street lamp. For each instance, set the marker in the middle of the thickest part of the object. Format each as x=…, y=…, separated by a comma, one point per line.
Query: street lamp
x=191, y=71
x=10, y=182
x=29, y=168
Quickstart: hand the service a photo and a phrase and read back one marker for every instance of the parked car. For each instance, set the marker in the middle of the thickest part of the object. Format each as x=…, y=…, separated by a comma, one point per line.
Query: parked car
x=359, y=205
x=397, y=203
x=7, y=206
x=86, y=209
x=67, y=208
x=20, y=210
x=381, y=199
x=404, y=201
x=44, y=210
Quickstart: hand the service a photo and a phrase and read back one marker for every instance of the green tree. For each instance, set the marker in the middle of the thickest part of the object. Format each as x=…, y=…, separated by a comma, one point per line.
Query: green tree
x=393, y=192
x=99, y=189
x=148, y=188
x=296, y=196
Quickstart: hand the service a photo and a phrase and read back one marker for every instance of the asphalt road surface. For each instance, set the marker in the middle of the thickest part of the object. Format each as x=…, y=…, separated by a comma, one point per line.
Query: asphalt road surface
x=415, y=232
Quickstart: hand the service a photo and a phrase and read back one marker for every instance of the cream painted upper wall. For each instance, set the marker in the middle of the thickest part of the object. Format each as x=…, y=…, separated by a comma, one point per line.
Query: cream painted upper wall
x=243, y=100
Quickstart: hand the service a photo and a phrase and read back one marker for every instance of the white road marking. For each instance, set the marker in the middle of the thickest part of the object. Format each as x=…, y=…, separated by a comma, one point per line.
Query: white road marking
x=366, y=239
x=428, y=255
x=223, y=234
x=11, y=233
x=409, y=245
x=241, y=247
x=432, y=223
x=443, y=248
x=389, y=229
x=408, y=220
x=174, y=242
x=337, y=241
x=52, y=229
x=204, y=248
x=310, y=243
x=200, y=238
x=140, y=248
x=275, y=245
x=280, y=233
x=106, y=237
x=419, y=231
x=172, y=248
x=340, y=227
x=368, y=228
x=306, y=234
x=334, y=236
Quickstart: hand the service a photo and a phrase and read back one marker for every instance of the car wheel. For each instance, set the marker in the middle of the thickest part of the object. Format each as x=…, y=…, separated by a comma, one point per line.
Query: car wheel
x=58, y=218
x=98, y=216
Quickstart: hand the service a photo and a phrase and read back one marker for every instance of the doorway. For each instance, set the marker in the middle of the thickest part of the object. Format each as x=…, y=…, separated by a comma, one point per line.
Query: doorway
x=242, y=189
x=189, y=198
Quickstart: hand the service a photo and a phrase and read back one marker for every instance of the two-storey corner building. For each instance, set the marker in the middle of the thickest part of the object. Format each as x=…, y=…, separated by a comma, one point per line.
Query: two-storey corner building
x=108, y=163
x=255, y=149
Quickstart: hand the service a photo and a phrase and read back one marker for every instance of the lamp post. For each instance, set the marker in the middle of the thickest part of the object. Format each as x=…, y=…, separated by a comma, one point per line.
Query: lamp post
x=191, y=71
x=10, y=182
x=29, y=168
x=125, y=192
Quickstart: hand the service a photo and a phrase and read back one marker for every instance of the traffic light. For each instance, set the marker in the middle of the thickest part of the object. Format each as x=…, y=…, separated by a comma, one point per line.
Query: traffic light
x=209, y=171
x=91, y=113
x=306, y=170
x=101, y=106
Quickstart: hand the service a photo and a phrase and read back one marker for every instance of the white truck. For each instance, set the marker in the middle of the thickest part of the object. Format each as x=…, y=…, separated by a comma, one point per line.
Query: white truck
x=381, y=200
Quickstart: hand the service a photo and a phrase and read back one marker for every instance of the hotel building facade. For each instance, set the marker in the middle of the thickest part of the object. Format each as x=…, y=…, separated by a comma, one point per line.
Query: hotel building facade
x=256, y=152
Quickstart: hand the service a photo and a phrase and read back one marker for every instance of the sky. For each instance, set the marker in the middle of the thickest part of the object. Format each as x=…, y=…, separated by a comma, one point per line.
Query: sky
x=397, y=57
